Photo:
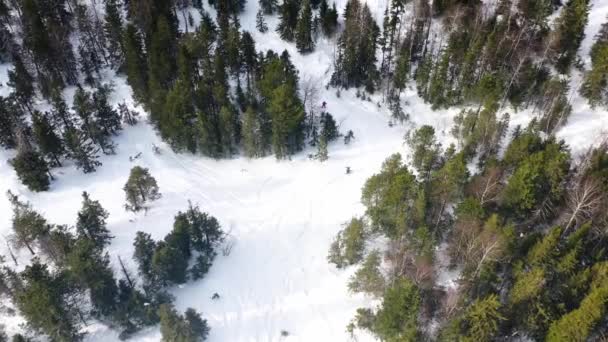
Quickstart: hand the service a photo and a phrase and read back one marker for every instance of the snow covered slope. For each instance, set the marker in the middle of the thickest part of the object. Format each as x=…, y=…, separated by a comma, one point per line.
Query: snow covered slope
x=281, y=215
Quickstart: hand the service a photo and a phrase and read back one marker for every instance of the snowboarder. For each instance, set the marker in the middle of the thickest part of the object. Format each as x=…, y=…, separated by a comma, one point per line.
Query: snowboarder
x=323, y=105
x=348, y=171
x=215, y=296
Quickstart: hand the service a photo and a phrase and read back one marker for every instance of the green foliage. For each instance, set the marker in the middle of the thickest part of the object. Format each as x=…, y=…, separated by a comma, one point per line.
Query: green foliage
x=303, y=33
x=349, y=244
x=594, y=86
x=369, y=278
x=177, y=328
x=140, y=188
x=44, y=302
x=397, y=317
x=91, y=223
x=425, y=150
x=390, y=198
x=355, y=63
x=287, y=117
x=28, y=225
x=31, y=169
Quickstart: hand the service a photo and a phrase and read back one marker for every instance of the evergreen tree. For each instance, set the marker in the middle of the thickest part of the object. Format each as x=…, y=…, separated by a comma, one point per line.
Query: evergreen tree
x=144, y=251
x=329, y=18
x=140, y=188
x=287, y=117
x=45, y=302
x=28, y=225
x=47, y=140
x=253, y=143
x=106, y=117
x=356, y=56
x=114, y=32
x=260, y=22
x=268, y=6
x=571, y=28
x=31, y=169
x=135, y=63
x=81, y=149
x=90, y=269
x=177, y=328
x=91, y=223
x=288, y=16
x=425, y=156
x=596, y=80
x=303, y=34
x=397, y=317
x=322, y=154
x=22, y=82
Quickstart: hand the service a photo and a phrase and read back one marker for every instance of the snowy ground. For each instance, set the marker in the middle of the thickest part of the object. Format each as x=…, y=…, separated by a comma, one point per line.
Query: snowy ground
x=281, y=215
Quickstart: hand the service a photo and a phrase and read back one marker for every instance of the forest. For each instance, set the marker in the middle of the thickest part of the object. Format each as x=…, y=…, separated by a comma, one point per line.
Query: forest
x=521, y=219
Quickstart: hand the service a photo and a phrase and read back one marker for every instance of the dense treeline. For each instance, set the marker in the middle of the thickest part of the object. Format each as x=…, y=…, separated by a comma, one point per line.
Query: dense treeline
x=526, y=234
x=70, y=280
x=207, y=90
x=464, y=53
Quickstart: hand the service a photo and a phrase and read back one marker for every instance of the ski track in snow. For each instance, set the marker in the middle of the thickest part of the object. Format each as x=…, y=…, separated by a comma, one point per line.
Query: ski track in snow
x=281, y=216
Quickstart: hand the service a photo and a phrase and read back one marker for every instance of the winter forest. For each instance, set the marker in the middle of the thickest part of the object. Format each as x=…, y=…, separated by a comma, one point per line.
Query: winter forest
x=303, y=170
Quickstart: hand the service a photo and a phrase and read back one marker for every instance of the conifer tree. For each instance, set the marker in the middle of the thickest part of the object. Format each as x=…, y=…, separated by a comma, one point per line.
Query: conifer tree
x=32, y=169
x=260, y=22
x=287, y=118
x=143, y=253
x=91, y=223
x=268, y=6
x=303, y=34
x=140, y=188
x=356, y=56
x=45, y=302
x=594, y=86
x=22, y=82
x=253, y=137
x=288, y=16
x=90, y=268
x=28, y=225
x=114, y=32
x=177, y=328
x=571, y=28
x=47, y=140
x=329, y=18
x=81, y=149
x=135, y=62
x=322, y=154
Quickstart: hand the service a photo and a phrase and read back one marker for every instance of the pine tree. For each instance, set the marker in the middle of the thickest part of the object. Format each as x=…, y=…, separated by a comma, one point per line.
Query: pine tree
x=28, y=225
x=11, y=118
x=329, y=18
x=44, y=301
x=106, y=117
x=322, y=149
x=47, y=140
x=303, y=34
x=594, y=86
x=253, y=140
x=81, y=149
x=288, y=16
x=90, y=268
x=356, y=57
x=91, y=223
x=268, y=6
x=140, y=188
x=143, y=253
x=260, y=22
x=114, y=32
x=135, y=62
x=287, y=121
x=22, y=82
x=32, y=169
x=571, y=28
x=177, y=328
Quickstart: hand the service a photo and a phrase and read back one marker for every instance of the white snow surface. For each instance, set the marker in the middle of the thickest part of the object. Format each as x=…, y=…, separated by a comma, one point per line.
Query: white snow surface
x=281, y=215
